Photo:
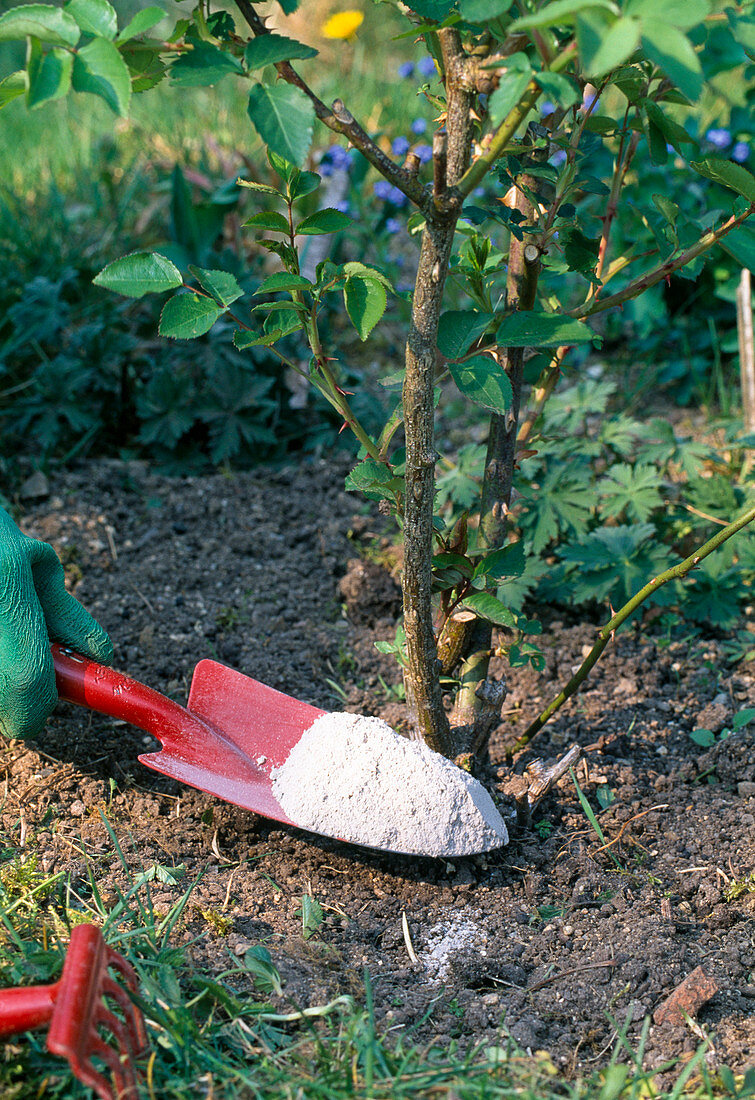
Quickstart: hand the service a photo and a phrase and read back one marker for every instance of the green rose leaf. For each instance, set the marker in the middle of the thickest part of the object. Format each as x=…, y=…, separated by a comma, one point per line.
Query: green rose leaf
x=605, y=48
x=41, y=21
x=269, y=49
x=490, y=607
x=282, y=280
x=509, y=92
x=730, y=175
x=673, y=52
x=324, y=221
x=284, y=118
x=95, y=17
x=203, y=66
x=559, y=13
x=559, y=88
x=365, y=300
x=99, y=68
x=138, y=274
x=186, y=316
x=526, y=329
x=14, y=85
x=484, y=381
x=142, y=22
x=220, y=284
x=509, y=561
x=683, y=14
x=458, y=329
x=480, y=11
x=269, y=220
x=49, y=75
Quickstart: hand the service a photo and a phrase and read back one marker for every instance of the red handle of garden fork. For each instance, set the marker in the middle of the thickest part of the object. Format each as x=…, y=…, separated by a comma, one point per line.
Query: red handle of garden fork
x=27, y=1008
x=98, y=687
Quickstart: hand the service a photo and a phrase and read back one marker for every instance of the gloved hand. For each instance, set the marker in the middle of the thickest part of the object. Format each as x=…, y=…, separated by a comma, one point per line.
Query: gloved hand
x=35, y=609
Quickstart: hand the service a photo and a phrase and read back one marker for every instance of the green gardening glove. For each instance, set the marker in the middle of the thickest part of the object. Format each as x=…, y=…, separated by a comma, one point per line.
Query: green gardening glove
x=35, y=609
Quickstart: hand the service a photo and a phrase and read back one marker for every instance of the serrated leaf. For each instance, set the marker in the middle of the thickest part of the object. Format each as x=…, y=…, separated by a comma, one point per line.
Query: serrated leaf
x=526, y=329
x=186, y=316
x=284, y=118
x=483, y=380
x=729, y=174
x=375, y=479
x=302, y=184
x=49, y=75
x=265, y=188
x=270, y=49
x=365, y=300
x=99, y=68
x=356, y=267
x=674, y=54
x=508, y=561
x=674, y=134
x=489, y=607
x=323, y=221
x=138, y=274
x=683, y=14
x=633, y=490
x=203, y=66
x=220, y=284
x=559, y=13
x=244, y=339
x=458, y=329
x=142, y=22
x=270, y=221
x=283, y=280
x=42, y=21
x=96, y=17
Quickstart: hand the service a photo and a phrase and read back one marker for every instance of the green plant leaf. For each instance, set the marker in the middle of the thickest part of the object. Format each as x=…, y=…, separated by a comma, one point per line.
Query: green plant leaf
x=203, y=65
x=526, y=329
x=490, y=608
x=49, y=75
x=674, y=134
x=727, y=173
x=683, y=14
x=483, y=380
x=244, y=339
x=138, y=274
x=704, y=738
x=480, y=11
x=303, y=183
x=509, y=92
x=95, y=17
x=186, y=316
x=631, y=490
x=269, y=220
x=458, y=329
x=323, y=221
x=673, y=52
x=99, y=68
x=269, y=49
x=283, y=280
x=356, y=267
x=220, y=284
x=559, y=88
x=617, y=44
x=365, y=300
x=508, y=561
x=42, y=21
x=284, y=118
x=559, y=13
x=265, y=188
x=142, y=22
x=14, y=85
x=258, y=962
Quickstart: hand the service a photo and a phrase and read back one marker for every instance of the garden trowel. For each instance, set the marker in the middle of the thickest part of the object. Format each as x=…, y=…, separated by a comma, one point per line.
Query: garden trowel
x=226, y=741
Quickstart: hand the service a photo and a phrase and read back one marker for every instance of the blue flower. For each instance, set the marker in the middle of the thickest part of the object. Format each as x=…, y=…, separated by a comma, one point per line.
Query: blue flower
x=400, y=146
x=424, y=152
x=340, y=158
x=589, y=99
x=558, y=158
x=388, y=193
x=406, y=69
x=718, y=138
x=392, y=225
x=426, y=67
x=419, y=126
x=741, y=152
x=546, y=107
x=342, y=205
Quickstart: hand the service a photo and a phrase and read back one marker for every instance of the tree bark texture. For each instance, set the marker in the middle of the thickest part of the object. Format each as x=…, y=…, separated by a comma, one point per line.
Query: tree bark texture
x=421, y=677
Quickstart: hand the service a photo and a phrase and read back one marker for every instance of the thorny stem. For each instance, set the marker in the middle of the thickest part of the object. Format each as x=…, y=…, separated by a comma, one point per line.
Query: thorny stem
x=338, y=119
x=676, y=572
x=663, y=270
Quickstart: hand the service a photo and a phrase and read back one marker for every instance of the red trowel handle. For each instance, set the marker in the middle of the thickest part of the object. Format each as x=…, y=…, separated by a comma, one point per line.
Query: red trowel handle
x=89, y=684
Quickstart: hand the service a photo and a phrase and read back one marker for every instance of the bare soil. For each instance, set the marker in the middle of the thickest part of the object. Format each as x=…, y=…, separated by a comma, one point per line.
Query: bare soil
x=558, y=940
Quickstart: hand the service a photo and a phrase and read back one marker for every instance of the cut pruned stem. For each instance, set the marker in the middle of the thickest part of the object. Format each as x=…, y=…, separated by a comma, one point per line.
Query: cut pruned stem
x=676, y=572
